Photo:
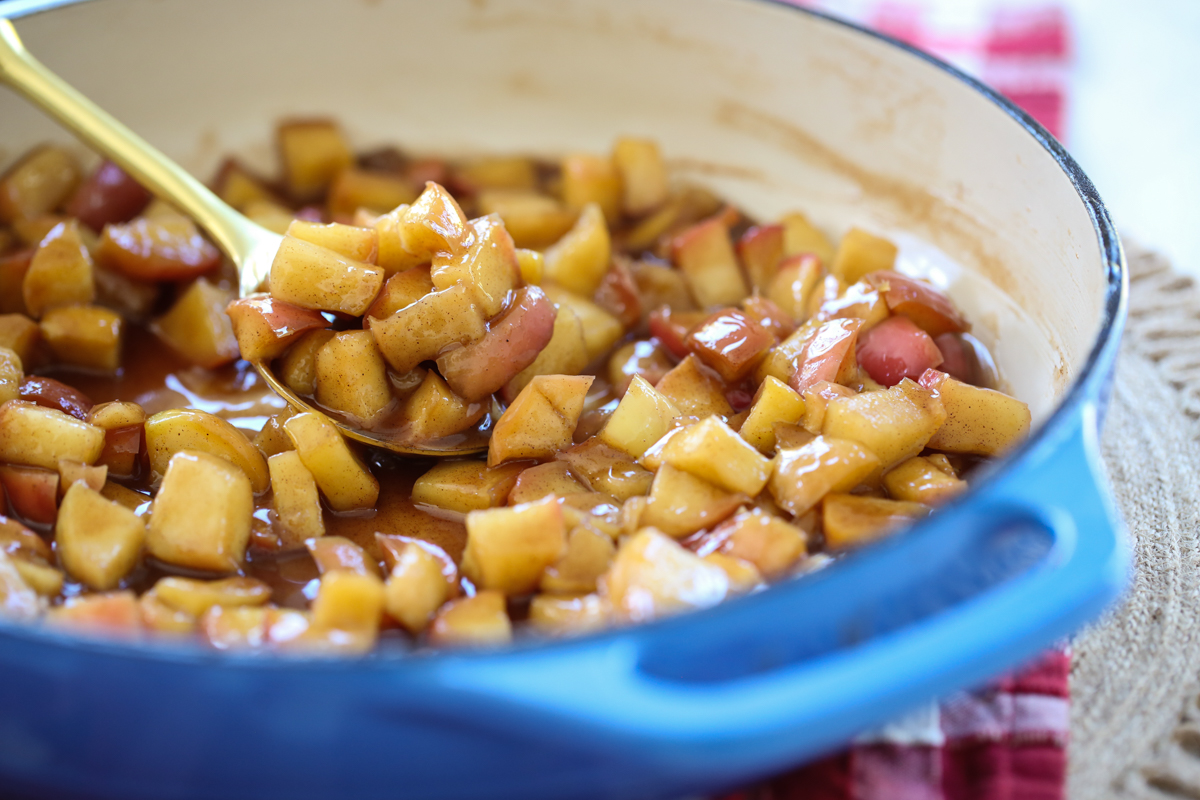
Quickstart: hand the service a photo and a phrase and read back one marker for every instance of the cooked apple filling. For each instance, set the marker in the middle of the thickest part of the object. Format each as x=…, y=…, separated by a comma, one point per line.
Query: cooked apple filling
x=683, y=404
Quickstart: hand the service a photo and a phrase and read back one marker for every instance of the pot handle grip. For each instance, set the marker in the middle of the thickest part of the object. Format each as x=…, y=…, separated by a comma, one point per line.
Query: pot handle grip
x=645, y=683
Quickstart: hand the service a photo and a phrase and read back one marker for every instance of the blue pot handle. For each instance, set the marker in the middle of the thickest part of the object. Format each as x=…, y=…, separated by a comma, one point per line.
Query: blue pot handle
x=684, y=690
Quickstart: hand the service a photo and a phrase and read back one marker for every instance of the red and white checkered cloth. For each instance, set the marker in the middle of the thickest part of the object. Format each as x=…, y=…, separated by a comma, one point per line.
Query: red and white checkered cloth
x=1006, y=741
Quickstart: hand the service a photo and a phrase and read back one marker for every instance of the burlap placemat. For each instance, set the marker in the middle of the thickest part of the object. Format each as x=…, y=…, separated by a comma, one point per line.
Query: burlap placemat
x=1135, y=720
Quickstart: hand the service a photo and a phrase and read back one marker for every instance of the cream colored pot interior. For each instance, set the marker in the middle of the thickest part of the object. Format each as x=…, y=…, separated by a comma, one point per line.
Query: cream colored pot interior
x=773, y=108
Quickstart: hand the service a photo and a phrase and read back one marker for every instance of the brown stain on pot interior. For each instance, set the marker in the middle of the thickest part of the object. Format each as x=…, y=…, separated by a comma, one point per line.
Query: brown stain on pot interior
x=912, y=207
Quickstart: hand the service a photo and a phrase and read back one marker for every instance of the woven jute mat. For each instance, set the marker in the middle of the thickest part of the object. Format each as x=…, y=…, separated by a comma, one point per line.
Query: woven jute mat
x=1135, y=681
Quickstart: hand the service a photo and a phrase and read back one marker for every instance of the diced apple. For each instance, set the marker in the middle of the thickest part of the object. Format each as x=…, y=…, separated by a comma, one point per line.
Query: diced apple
x=39, y=437
x=298, y=368
x=641, y=418
x=198, y=328
x=579, y=260
x=60, y=273
x=164, y=249
x=653, y=576
x=896, y=349
x=805, y=474
x=239, y=187
x=928, y=308
x=57, y=396
x=161, y=618
x=861, y=253
x=532, y=265
x=645, y=359
x=569, y=615
x=705, y=255
x=38, y=183
x=894, y=424
x=660, y=285
x=235, y=627
x=352, y=378
x=794, y=285
x=479, y=621
x=980, y=421
x=272, y=439
x=295, y=500
x=565, y=354
x=333, y=553
x=743, y=576
x=589, y=179
x=607, y=469
x=829, y=355
x=351, y=241
x=311, y=276
x=816, y=401
x=169, y=432
x=642, y=173
x=588, y=555
x=425, y=329
x=18, y=600
x=21, y=335
x=11, y=375
x=400, y=290
x=851, y=520
x=84, y=336
x=351, y=602
x=266, y=327
x=509, y=548
x=772, y=545
x=511, y=344
x=313, y=151
x=860, y=301
x=730, y=342
x=465, y=486
x=601, y=330
x=919, y=480
x=681, y=504
x=497, y=172
x=344, y=480
x=32, y=493
x=433, y=411
x=773, y=402
x=761, y=250
x=416, y=587
x=109, y=614
x=551, y=478
x=532, y=219
x=72, y=472
x=671, y=328
x=770, y=316
x=201, y=515
x=713, y=452
x=379, y=192
x=195, y=597
x=800, y=236
x=487, y=264
x=411, y=235
x=541, y=420
x=695, y=390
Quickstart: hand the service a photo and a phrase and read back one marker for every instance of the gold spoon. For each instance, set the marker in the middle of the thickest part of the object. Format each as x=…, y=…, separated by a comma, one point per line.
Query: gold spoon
x=250, y=246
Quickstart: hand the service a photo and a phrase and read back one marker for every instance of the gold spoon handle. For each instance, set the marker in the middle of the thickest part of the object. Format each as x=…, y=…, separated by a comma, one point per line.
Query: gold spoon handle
x=152, y=169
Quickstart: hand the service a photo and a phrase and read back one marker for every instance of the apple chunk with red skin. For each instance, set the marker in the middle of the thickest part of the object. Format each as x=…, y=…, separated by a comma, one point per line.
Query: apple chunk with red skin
x=731, y=342
x=265, y=327
x=109, y=196
x=896, y=349
x=32, y=492
x=931, y=310
x=672, y=327
x=761, y=250
x=827, y=353
x=511, y=344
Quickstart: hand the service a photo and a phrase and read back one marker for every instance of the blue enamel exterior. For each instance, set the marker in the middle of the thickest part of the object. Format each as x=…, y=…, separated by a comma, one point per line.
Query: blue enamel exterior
x=694, y=703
